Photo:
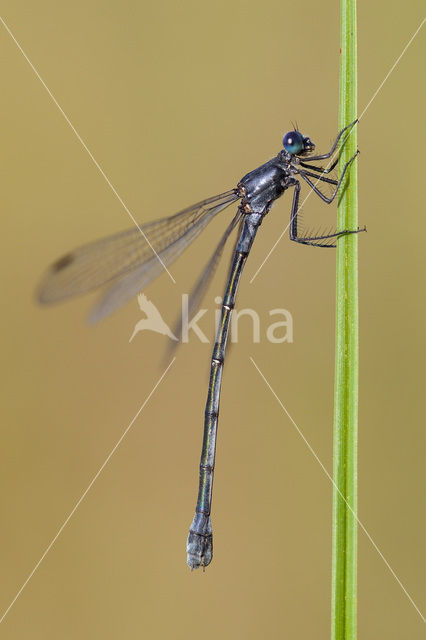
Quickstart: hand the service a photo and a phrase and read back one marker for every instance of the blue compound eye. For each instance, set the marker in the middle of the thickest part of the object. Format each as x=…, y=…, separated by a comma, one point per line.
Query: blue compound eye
x=293, y=142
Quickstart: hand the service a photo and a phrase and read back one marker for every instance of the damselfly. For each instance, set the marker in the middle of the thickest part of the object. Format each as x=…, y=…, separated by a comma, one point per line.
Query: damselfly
x=128, y=261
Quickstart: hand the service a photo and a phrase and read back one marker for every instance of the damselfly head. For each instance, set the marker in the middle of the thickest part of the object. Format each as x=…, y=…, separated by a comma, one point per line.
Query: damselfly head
x=296, y=144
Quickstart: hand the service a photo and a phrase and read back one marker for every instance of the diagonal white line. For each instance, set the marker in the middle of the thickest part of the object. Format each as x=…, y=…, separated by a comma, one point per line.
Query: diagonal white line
x=359, y=118
x=85, y=492
x=84, y=145
x=392, y=67
x=337, y=489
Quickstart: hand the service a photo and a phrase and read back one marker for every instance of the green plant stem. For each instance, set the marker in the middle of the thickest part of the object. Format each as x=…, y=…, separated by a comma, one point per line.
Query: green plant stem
x=344, y=569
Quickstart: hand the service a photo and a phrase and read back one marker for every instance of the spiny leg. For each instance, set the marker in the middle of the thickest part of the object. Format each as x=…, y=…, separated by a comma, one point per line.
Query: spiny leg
x=311, y=240
x=334, y=147
x=329, y=169
x=320, y=169
x=322, y=178
x=328, y=200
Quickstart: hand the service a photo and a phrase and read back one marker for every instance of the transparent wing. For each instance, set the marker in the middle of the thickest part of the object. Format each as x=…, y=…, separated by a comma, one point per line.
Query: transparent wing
x=205, y=278
x=131, y=259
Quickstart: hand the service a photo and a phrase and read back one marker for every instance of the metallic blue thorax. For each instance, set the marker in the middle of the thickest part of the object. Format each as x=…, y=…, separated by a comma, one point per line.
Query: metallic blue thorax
x=264, y=185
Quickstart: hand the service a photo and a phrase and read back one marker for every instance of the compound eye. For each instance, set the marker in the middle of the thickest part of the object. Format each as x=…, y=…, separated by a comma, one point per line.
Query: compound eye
x=293, y=142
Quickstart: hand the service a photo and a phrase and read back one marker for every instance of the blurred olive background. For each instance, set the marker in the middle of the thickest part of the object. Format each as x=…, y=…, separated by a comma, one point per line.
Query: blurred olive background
x=176, y=101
